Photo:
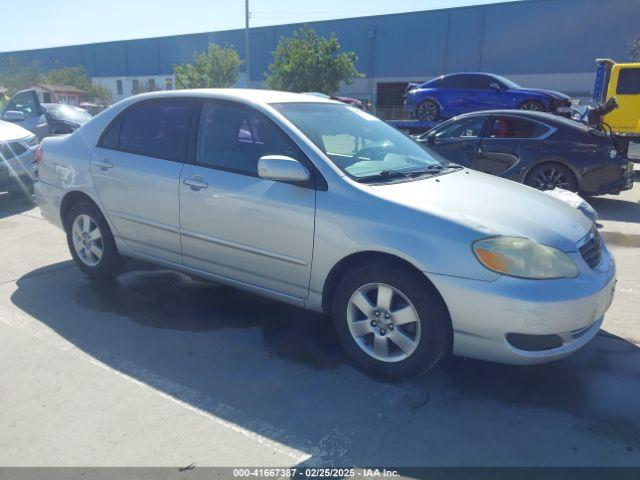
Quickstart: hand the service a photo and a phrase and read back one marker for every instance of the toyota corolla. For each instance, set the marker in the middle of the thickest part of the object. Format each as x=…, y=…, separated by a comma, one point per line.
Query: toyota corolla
x=321, y=205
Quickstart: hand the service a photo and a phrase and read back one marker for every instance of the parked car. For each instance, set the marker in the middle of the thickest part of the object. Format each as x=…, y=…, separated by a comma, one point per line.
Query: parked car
x=457, y=93
x=93, y=108
x=538, y=149
x=24, y=109
x=327, y=207
x=348, y=100
x=65, y=118
x=17, y=150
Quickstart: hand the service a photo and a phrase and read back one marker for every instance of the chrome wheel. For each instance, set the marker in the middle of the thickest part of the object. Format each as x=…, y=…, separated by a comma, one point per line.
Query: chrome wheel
x=550, y=178
x=428, y=111
x=383, y=322
x=87, y=240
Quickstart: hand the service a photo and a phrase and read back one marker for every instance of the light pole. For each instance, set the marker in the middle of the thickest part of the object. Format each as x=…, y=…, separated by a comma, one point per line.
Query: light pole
x=246, y=41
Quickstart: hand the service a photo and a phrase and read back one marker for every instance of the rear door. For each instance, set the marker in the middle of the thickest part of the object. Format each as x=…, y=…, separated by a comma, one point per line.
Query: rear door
x=508, y=139
x=235, y=224
x=458, y=140
x=136, y=171
x=34, y=116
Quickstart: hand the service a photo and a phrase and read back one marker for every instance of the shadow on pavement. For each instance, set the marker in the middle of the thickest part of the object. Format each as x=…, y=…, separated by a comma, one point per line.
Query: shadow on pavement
x=284, y=366
x=616, y=209
x=15, y=203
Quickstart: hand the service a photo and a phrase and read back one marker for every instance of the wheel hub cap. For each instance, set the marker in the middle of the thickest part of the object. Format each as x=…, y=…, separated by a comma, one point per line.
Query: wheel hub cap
x=383, y=322
x=87, y=240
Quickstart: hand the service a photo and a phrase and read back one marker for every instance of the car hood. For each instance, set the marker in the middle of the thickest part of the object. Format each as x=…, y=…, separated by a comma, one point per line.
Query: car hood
x=550, y=93
x=10, y=131
x=492, y=206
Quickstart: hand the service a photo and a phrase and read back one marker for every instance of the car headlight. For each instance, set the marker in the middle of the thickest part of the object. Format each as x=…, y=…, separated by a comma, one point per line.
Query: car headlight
x=524, y=258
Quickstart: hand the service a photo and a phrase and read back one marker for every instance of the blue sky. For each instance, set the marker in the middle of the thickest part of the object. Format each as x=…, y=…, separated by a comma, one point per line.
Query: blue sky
x=50, y=23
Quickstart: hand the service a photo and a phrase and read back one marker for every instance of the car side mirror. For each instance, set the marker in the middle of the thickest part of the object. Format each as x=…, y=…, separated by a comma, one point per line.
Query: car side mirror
x=13, y=116
x=495, y=86
x=281, y=168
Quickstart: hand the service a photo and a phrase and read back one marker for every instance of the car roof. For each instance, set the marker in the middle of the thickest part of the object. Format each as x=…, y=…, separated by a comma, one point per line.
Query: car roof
x=544, y=117
x=245, y=95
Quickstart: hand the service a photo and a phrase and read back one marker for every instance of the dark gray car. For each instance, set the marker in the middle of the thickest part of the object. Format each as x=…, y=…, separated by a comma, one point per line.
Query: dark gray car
x=538, y=149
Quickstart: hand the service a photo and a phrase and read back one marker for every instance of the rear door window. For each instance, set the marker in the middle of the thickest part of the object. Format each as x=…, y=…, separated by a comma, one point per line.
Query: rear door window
x=628, y=81
x=513, y=127
x=157, y=128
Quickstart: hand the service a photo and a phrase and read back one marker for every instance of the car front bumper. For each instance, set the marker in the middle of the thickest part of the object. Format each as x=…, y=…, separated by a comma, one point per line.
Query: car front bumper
x=559, y=316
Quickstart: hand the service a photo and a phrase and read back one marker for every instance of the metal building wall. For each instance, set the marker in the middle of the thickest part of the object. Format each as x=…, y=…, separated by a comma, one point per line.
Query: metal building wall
x=541, y=39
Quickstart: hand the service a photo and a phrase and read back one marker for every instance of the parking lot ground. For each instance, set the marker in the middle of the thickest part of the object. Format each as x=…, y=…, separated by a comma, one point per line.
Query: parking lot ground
x=158, y=369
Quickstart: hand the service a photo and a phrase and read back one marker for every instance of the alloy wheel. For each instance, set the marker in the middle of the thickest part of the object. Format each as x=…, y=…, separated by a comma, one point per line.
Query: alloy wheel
x=383, y=322
x=550, y=178
x=428, y=112
x=87, y=240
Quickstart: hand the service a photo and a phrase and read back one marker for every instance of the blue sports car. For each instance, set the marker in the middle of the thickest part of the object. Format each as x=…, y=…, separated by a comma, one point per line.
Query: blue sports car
x=458, y=93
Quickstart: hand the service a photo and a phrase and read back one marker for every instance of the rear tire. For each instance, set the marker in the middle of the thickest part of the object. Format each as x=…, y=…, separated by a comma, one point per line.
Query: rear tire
x=552, y=175
x=406, y=329
x=428, y=111
x=91, y=243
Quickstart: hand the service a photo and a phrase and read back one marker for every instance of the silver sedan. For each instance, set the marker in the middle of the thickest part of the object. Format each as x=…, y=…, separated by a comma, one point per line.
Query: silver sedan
x=324, y=206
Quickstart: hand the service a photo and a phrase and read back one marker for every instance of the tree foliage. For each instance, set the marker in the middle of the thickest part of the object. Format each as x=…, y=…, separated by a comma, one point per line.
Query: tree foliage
x=77, y=77
x=17, y=75
x=215, y=68
x=634, y=50
x=308, y=62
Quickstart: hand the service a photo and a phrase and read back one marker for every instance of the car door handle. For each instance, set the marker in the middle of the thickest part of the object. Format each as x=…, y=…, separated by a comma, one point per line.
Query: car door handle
x=196, y=183
x=103, y=164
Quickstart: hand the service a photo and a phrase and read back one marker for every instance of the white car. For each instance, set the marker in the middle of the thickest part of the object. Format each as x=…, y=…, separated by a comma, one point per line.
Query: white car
x=17, y=150
x=324, y=206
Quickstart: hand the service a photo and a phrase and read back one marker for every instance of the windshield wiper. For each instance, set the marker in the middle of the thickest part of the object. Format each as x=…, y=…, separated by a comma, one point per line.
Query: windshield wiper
x=383, y=175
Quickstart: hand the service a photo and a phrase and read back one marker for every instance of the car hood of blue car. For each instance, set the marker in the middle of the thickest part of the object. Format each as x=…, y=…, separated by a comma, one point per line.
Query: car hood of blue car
x=550, y=93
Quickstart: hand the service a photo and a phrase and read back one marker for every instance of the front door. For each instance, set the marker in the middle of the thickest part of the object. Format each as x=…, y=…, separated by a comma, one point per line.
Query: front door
x=136, y=171
x=34, y=116
x=458, y=140
x=234, y=224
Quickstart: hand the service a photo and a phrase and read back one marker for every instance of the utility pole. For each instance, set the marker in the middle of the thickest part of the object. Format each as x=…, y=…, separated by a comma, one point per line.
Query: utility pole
x=246, y=41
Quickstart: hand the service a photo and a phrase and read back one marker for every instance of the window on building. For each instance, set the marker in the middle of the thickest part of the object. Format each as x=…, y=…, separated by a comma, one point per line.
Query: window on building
x=119, y=87
x=233, y=138
x=151, y=85
x=628, y=81
x=512, y=127
x=157, y=129
x=168, y=84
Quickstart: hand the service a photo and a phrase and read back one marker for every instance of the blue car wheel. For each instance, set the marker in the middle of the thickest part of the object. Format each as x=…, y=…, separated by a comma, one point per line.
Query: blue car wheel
x=428, y=111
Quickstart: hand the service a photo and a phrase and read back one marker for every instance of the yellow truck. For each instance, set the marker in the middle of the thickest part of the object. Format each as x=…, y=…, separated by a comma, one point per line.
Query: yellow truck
x=617, y=93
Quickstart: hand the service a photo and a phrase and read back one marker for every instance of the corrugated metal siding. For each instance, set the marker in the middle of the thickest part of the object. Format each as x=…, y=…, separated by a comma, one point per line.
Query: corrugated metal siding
x=527, y=37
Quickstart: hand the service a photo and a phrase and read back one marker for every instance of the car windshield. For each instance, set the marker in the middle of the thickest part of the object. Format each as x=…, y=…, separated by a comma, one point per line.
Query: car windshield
x=69, y=113
x=360, y=144
x=509, y=83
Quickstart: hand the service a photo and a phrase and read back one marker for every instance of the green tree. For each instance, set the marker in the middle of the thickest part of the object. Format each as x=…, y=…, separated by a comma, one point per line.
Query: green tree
x=215, y=68
x=77, y=77
x=634, y=50
x=308, y=62
x=17, y=75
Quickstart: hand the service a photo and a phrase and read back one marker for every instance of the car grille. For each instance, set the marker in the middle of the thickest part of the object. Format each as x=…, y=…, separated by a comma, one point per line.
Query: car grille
x=591, y=250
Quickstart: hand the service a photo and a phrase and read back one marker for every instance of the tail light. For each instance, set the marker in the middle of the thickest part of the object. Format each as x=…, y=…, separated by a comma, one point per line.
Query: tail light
x=38, y=155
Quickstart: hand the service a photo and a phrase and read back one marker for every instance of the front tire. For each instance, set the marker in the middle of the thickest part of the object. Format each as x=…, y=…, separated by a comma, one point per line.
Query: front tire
x=390, y=322
x=91, y=242
x=428, y=111
x=533, y=106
